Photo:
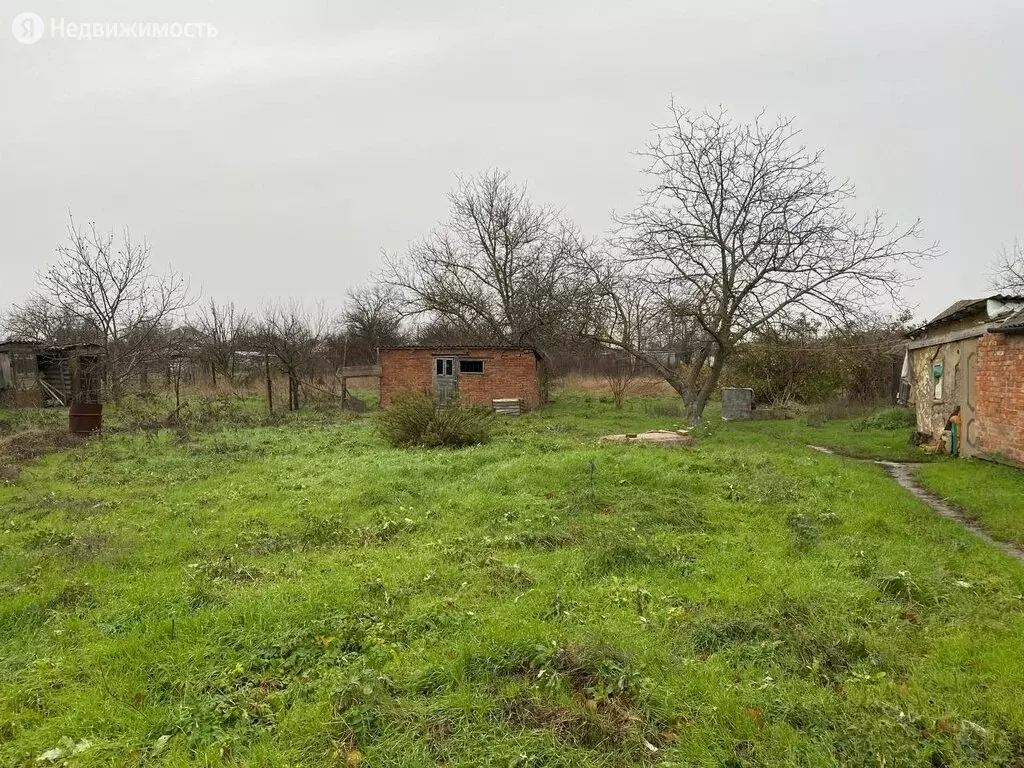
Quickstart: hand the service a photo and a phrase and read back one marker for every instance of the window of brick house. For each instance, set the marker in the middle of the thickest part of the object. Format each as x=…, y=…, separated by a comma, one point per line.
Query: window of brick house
x=471, y=366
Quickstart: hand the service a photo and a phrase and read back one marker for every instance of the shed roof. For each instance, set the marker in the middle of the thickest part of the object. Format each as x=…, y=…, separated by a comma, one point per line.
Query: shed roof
x=967, y=307
x=42, y=347
x=436, y=347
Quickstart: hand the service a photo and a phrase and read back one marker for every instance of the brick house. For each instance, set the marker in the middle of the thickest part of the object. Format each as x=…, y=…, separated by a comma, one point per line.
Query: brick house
x=476, y=374
x=971, y=357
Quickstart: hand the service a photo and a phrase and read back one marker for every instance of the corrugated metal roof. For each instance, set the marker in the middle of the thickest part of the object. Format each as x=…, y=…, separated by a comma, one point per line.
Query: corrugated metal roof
x=1013, y=324
x=957, y=309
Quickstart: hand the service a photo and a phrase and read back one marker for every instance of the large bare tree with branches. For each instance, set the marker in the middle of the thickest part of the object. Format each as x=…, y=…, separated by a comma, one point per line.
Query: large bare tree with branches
x=108, y=288
x=372, y=318
x=1008, y=272
x=499, y=269
x=741, y=226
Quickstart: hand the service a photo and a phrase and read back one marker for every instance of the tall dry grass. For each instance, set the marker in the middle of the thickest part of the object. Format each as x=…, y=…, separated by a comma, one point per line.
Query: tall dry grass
x=639, y=387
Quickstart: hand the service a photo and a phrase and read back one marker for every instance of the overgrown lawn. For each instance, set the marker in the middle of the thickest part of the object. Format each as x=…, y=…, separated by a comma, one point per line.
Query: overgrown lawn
x=306, y=595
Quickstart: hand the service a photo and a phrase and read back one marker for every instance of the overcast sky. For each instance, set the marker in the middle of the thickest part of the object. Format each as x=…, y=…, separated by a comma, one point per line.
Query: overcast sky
x=280, y=157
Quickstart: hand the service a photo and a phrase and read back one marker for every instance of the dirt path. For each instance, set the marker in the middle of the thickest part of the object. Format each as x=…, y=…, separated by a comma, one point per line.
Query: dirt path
x=905, y=475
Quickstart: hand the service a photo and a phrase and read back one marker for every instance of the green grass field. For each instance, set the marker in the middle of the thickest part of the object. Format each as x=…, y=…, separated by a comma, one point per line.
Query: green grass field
x=304, y=595
x=885, y=435
x=991, y=494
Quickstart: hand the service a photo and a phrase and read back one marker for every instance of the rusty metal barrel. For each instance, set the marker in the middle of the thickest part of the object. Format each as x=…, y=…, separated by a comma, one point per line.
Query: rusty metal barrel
x=85, y=418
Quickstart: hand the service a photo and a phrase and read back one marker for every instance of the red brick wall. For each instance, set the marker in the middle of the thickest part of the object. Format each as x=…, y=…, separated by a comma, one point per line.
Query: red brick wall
x=507, y=373
x=999, y=395
x=404, y=370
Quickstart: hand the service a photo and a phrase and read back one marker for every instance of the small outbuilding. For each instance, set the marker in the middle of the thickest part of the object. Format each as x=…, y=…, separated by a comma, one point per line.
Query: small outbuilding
x=969, y=362
x=495, y=376
x=34, y=374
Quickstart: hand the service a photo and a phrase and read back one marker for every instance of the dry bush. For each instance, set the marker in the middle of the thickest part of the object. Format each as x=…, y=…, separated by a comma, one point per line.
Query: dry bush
x=418, y=419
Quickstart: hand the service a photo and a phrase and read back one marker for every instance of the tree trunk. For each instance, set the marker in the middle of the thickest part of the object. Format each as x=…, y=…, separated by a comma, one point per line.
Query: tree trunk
x=270, y=386
x=115, y=383
x=293, y=391
x=695, y=408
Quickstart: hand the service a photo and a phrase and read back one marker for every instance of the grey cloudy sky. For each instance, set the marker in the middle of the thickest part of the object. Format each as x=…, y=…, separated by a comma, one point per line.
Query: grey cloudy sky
x=280, y=157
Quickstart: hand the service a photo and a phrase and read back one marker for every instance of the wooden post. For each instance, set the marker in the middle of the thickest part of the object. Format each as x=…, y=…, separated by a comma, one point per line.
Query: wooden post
x=177, y=389
x=270, y=388
x=344, y=380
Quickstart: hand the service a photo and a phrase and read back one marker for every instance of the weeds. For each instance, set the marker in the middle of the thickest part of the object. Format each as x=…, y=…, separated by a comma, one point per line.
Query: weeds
x=335, y=530
x=803, y=533
x=227, y=569
x=559, y=608
x=627, y=555
x=888, y=419
x=507, y=575
x=902, y=586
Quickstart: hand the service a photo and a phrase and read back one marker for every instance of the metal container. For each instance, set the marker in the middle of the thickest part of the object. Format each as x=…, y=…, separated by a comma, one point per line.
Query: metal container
x=85, y=418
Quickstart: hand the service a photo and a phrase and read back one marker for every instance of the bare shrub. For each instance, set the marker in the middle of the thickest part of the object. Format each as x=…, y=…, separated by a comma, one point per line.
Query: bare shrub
x=418, y=419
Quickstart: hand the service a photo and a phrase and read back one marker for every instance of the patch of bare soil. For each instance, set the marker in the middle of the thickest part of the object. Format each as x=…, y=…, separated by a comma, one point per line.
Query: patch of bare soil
x=22, y=446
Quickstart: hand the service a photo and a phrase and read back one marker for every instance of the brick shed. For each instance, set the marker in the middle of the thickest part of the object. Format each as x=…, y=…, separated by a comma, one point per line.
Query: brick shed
x=476, y=374
x=971, y=357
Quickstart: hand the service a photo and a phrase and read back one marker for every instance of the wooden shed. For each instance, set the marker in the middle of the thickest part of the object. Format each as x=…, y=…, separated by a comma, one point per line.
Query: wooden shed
x=34, y=374
x=506, y=378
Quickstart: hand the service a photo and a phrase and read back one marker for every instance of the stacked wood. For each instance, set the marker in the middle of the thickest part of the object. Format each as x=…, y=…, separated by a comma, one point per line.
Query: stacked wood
x=511, y=406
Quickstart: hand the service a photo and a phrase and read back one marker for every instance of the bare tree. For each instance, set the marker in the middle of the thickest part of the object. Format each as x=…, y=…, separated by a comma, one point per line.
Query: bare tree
x=500, y=268
x=109, y=287
x=620, y=374
x=222, y=330
x=290, y=335
x=741, y=227
x=372, y=318
x=1009, y=268
x=39, y=320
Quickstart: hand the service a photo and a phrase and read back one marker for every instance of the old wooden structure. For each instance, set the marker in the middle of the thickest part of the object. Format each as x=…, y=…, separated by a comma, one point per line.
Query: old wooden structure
x=34, y=374
x=968, y=362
